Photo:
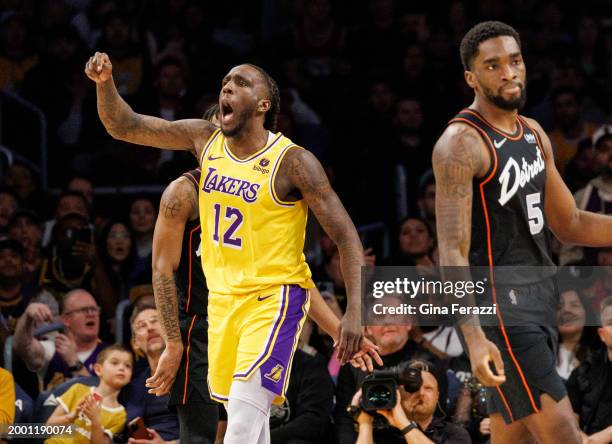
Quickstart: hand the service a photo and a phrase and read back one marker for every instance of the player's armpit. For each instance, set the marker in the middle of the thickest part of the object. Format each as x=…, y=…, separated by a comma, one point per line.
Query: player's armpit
x=567, y=222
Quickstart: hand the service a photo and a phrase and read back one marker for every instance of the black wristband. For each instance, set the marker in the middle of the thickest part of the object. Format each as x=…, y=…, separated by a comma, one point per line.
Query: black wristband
x=413, y=425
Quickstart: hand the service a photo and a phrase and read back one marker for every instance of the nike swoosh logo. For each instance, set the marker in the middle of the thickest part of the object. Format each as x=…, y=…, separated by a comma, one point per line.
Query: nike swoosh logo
x=497, y=143
x=214, y=158
x=263, y=298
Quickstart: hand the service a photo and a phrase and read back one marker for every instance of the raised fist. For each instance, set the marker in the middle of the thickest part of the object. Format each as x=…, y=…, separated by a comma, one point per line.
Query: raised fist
x=99, y=67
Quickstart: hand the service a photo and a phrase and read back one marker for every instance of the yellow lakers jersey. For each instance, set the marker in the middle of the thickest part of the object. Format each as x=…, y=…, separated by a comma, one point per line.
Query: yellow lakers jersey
x=251, y=240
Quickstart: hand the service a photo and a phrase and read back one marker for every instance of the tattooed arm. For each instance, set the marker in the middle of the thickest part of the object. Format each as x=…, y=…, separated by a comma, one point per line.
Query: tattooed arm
x=459, y=157
x=122, y=123
x=178, y=206
x=301, y=173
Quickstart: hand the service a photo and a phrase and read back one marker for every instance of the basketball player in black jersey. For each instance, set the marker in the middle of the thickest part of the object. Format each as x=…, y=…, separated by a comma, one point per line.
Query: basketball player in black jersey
x=498, y=192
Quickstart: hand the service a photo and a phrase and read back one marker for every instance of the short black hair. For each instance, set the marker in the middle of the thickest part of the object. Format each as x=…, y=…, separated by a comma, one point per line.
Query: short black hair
x=478, y=34
x=271, y=118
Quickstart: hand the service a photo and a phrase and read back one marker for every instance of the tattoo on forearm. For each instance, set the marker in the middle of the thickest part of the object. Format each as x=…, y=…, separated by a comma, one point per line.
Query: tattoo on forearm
x=455, y=167
x=166, y=301
x=308, y=176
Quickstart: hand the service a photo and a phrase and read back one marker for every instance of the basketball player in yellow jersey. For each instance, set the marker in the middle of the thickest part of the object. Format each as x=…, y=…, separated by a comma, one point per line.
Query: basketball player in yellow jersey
x=255, y=191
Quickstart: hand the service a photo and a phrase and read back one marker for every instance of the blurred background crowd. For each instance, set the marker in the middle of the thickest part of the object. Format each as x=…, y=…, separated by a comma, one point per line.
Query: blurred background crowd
x=367, y=86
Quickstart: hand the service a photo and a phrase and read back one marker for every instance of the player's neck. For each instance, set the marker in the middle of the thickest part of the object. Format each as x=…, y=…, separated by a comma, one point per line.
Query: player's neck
x=250, y=140
x=500, y=118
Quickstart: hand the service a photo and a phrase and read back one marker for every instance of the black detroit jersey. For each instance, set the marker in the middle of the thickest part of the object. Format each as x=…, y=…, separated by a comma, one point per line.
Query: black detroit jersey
x=508, y=222
x=189, y=277
x=193, y=300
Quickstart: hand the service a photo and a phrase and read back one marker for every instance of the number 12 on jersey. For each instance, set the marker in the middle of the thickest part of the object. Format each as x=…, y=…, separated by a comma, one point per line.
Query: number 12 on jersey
x=235, y=217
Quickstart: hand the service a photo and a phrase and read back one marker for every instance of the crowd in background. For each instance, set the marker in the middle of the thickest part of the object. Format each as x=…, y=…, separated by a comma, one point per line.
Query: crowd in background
x=365, y=85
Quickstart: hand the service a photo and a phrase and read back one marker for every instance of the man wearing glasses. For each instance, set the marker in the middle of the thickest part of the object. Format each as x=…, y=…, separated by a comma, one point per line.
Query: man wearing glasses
x=71, y=352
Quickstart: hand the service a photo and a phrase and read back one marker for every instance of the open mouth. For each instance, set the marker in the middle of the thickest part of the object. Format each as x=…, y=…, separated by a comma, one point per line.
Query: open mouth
x=90, y=324
x=227, y=112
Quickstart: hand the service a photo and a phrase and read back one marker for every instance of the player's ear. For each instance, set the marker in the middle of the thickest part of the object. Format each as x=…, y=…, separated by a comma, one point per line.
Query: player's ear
x=263, y=106
x=470, y=78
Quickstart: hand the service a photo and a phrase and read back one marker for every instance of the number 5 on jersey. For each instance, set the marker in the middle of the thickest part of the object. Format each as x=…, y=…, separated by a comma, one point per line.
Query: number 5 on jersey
x=234, y=216
x=534, y=212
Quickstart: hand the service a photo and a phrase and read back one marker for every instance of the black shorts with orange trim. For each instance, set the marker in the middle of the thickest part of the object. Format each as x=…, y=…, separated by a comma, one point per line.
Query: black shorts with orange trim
x=527, y=340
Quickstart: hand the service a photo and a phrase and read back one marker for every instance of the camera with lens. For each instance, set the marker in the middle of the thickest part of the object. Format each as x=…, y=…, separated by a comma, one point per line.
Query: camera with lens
x=378, y=391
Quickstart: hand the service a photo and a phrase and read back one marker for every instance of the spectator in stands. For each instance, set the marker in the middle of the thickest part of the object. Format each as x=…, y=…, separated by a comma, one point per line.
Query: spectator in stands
x=427, y=198
x=73, y=262
x=14, y=293
x=147, y=340
x=416, y=244
x=597, y=195
x=392, y=335
x=25, y=228
x=116, y=253
x=129, y=62
x=83, y=185
x=582, y=167
x=413, y=419
x=8, y=207
x=143, y=214
x=589, y=386
x=570, y=127
x=23, y=180
x=7, y=397
x=70, y=353
x=95, y=412
x=17, y=52
x=69, y=201
x=305, y=414
x=574, y=338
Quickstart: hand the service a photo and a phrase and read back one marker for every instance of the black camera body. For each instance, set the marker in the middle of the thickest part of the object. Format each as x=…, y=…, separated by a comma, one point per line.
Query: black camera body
x=378, y=391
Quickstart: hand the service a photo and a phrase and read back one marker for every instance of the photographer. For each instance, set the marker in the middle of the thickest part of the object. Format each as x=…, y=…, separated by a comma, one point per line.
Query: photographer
x=73, y=262
x=392, y=336
x=412, y=418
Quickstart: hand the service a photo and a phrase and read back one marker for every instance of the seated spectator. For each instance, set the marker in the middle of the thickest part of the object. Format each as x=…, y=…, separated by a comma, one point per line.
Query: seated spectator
x=413, y=419
x=116, y=253
x=392, y=336
x=67, y=354
x=82, y=185
x=8, y=207
x=7, y=397
x=143, y=214
x=26, y=229
x=415, y=244
x=14, y=293
x=74, y=263
x=95, y=412
x=589, y=386
x=574, y=338
x=67, y=203
x=427, y=198
x=23, y=180
x=596, y=196
x=147, y=339
x=305, y=414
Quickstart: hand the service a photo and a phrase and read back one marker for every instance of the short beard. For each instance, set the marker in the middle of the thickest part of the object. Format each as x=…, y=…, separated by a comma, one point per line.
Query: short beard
x=240, y=124
x=507, y=105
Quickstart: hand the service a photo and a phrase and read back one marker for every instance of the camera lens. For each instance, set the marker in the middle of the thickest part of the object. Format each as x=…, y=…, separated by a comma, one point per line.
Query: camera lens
x=379, y=396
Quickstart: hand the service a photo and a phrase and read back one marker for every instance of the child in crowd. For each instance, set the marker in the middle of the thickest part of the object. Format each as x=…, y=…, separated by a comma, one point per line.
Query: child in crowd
x=95, y=413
